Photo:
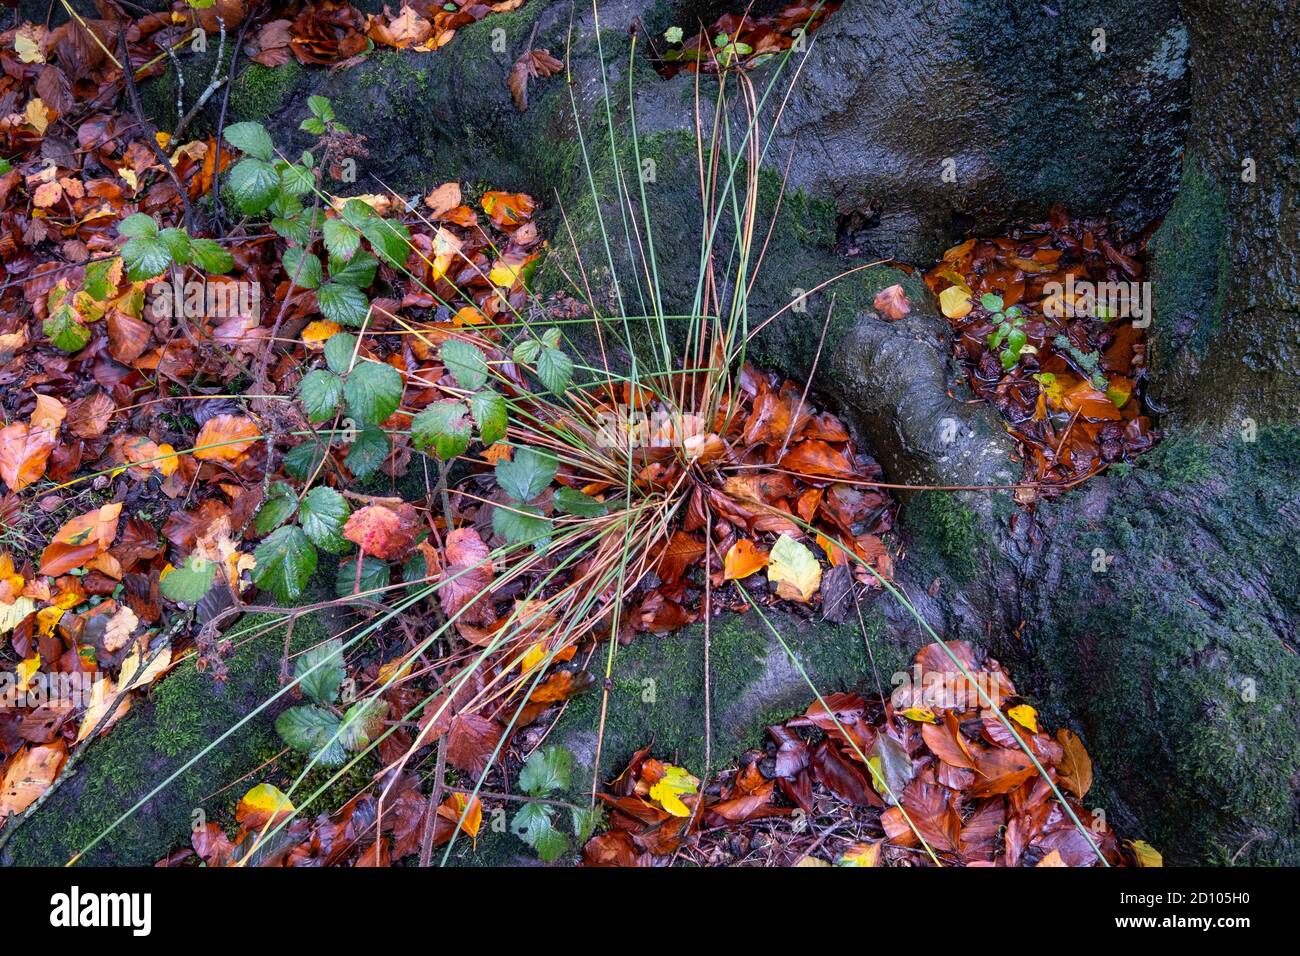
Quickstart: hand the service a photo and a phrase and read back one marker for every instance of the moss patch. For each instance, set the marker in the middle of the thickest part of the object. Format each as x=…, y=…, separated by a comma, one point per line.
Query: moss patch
x=184, y=713
x=1181, y=659
x=657, y=688
x=946, y=533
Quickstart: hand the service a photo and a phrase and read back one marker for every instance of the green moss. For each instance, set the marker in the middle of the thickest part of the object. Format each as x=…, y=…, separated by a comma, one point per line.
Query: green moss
x=261, y=91
x=1192, y=261
x=185, y=712
x=1177, y=659
x=657, y=688
x=945, y=532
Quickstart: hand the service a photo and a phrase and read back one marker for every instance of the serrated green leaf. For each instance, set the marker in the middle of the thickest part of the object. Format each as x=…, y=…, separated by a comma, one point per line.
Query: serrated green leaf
x=555, y=369
x=373, y=391
x=527, y=475
x=375, y=576
x=177, y=243
x=489, y=411
x=304, y=265
x=285, y=563
x=293, y=228
x=991, y=302
x=320, y=671
x=138, y=226
x=368, y=452
x=322, y=514
x=251, y=138
x=465, y=362
x=585, y=822
x=533, y=825
x=363, y=721
x=320, y=106
x=445, y=427
x=188, y=583
x=312, y=730
x=546, y=770
x=357, y=271
x=341, y=240
x=344, y=304
x=303, y=461
x=209, y=256
x=296, y=180
x=320, y=392
x=521, y=524
x=339, y=349
x=279, y=506
x=312, y=125
x=145, y=258
x=527, y=351
x=571, y=501
x=255, y=185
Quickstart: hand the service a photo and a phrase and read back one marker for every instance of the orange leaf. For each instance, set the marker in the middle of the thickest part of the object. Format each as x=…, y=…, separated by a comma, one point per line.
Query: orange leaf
x=382, y=532
x=225, y=438
x=892, y=303
x=24, y=449
x=742, y=560
x=80, y=540
x=30, y=775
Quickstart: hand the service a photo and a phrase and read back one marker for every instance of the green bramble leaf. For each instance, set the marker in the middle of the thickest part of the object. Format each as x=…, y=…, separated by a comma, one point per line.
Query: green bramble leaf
x=320, y=392
x=320, y=671
x=251, y=138
x=373, y=391
x=285, y=563
x=322, y=514
x=527, y=475
x=443, y=426
x=465, y=362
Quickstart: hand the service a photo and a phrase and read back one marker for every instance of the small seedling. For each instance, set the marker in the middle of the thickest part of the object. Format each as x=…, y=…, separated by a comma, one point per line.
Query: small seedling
x=1009, y=333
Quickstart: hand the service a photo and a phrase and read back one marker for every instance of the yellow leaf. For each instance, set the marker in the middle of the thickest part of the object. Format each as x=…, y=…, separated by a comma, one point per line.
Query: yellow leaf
x=133, y=669
x=1025, y=716
x=1146, y=854
x=47, y=618
x=955, y=301
x=163, y=138
x=29, y=50
x=811, y=861
x=11, y=615
x=861, y=854
x=794, y=570
x=102, y=694
x=503, y=275
x=262, y=803
x=25, y=671
x=921, y=715
x=37, y=115
x=669, y=789
x=317, y=332
x=534, y=656
x=1052, y=859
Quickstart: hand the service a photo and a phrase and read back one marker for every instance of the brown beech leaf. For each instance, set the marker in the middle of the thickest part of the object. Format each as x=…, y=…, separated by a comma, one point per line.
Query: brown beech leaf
x=1075, y=768
x=533, y=65
x=892, y=303
x=30, y=775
